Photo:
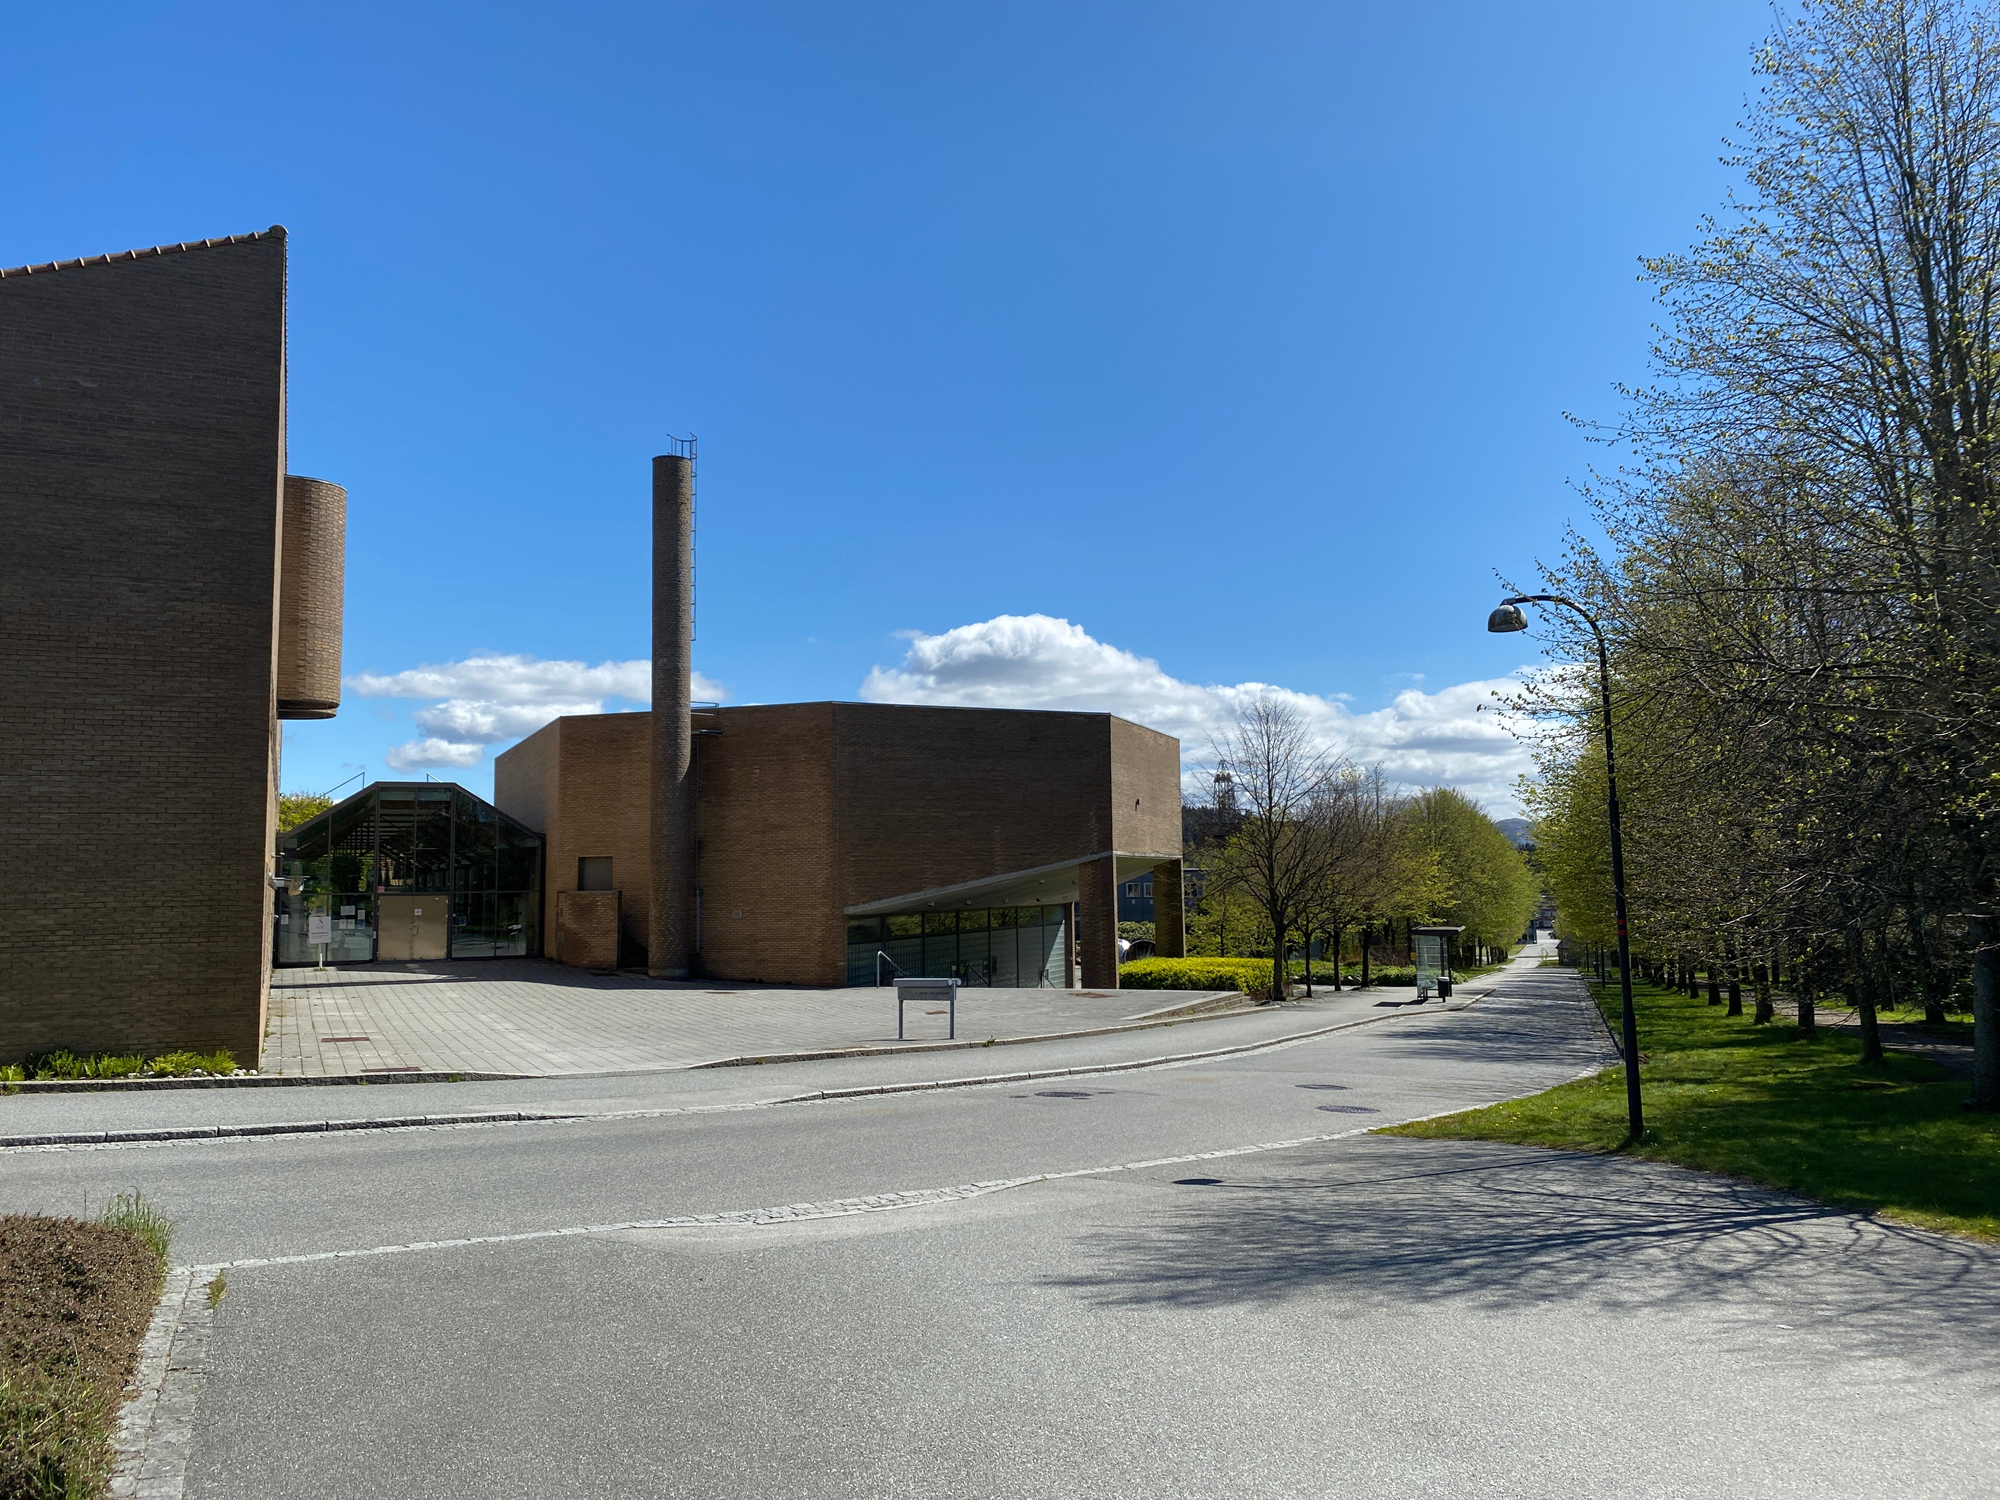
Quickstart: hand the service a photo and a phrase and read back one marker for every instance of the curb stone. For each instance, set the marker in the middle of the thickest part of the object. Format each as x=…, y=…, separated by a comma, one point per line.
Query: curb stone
x=280, y=1127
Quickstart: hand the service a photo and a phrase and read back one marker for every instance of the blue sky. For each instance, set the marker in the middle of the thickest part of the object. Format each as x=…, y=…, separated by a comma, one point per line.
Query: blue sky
x=1126, y=356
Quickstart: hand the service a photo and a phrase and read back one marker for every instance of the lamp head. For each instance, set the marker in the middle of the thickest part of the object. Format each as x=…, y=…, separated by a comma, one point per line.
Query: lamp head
x=1506, y=618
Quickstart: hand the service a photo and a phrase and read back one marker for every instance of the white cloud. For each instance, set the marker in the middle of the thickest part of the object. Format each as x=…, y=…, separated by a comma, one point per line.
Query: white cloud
x=1452, y=737
x=430, y=754
x=486, y=699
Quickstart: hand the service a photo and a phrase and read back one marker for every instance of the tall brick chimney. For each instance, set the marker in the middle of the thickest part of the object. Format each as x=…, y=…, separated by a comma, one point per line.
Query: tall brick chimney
x=670, y=918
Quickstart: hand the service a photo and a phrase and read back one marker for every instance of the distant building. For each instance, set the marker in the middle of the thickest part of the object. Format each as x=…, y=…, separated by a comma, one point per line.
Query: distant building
x=981, y=844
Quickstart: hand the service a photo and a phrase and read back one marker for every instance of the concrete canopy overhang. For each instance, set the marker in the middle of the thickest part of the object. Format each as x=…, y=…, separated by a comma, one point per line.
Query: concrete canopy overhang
x=1042, y=885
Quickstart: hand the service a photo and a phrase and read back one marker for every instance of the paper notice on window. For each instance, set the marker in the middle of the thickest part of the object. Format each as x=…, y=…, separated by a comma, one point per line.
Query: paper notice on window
x=319, y=928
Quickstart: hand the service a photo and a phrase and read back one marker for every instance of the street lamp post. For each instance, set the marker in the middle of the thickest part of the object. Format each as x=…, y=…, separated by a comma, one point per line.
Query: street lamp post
x=1507, y=618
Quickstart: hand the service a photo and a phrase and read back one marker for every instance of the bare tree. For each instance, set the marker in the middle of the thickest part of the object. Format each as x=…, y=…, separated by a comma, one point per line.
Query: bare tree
x=1280, y=852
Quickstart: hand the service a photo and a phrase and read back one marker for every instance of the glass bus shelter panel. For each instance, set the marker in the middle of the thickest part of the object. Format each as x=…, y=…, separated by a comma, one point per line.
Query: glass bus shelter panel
x=1430, y=956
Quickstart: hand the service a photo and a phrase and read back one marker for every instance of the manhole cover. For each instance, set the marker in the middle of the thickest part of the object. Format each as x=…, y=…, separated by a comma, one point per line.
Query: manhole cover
x=343, y=1039
x=1063, y=1094
x=1197, y=1182
x=1323, y=1086
x=1349, y=1109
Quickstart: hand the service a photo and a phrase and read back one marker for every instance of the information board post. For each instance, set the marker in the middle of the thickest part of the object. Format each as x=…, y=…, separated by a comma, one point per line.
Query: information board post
x=319, y=931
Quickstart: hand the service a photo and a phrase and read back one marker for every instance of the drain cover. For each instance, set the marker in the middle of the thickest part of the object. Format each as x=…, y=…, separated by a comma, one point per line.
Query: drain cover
x=1323, y=1086
x=1197, y=1182
x=1063, y=1094
x=1349, y=1109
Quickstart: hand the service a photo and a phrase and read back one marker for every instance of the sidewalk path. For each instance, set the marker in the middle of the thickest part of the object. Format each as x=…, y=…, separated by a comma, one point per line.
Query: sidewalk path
x=528, y=1017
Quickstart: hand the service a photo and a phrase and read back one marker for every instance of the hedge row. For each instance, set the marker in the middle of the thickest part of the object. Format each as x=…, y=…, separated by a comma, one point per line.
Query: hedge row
x=1250, y=975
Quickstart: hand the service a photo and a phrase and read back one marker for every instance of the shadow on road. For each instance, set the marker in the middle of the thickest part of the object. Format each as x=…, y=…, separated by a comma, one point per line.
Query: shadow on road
x=1378, y=1222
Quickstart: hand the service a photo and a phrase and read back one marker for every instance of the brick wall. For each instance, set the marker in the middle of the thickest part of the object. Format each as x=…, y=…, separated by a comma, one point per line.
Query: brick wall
x=937, y=796
x=142, y=459
x=764, y=829
x=586, y=933
x=582, y=783
x=805, y=809
x=1145, y=789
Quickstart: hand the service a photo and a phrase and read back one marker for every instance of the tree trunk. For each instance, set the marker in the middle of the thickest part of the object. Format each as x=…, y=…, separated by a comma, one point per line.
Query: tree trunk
x=1761, y=976
x=1861, y=988
x=1367, y=934
x=1985, y=1015
x=1808, y=1014
x=1735, y=983
x=1714, y=983
x=1928, y=974
x=1884, y=975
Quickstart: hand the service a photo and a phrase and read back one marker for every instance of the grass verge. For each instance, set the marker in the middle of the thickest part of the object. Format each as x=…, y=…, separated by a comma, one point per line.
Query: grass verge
x=1772, y=1105
x=75, y=1299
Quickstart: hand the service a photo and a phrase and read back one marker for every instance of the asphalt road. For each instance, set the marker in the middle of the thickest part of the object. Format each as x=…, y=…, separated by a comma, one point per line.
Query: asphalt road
x=1356, y=1315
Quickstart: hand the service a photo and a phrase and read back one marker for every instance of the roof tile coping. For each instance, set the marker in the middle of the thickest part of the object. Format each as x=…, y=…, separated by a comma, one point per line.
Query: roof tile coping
x=275, y=232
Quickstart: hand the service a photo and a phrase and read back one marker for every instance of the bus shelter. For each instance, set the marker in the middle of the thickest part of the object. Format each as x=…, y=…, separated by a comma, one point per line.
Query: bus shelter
x=1434, y=948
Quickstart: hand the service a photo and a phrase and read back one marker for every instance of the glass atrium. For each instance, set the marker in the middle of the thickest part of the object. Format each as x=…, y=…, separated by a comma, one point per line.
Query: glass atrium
x=1004, y=947
x=408, y=870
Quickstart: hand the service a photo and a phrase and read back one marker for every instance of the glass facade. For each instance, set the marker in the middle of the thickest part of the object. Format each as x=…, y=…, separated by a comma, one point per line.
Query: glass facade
x=375, y=858
x=1002, y=947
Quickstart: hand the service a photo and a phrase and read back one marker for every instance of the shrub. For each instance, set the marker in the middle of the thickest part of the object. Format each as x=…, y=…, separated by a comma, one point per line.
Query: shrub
x=176, y=1064
x=1250, y=975
x=66, y=1064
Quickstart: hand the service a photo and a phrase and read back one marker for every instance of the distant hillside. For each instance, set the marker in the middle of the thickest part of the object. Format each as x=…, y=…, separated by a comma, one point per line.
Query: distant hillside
x=1515, y=829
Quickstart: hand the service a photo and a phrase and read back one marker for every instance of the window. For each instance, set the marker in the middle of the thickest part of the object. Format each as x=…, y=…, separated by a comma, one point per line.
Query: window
x=594, y=874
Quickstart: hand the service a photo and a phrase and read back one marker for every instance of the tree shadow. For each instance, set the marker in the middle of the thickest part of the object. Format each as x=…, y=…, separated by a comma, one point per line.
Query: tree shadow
x=1379, y=1222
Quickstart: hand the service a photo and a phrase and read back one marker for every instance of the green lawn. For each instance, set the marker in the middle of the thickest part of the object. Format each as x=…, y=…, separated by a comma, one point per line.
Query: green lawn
x=1765, y=1103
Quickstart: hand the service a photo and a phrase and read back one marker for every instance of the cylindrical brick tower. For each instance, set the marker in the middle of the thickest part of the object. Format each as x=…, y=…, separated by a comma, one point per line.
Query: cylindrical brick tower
x=670, y=919
x=311, y=574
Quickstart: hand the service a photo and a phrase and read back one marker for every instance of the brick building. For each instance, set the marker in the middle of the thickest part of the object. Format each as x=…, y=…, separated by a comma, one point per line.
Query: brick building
x=824, y=833
x=983, y=844
x=166, y=596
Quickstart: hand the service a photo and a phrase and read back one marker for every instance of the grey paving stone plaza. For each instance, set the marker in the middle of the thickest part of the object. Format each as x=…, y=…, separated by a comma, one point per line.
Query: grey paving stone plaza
x=531, y=1017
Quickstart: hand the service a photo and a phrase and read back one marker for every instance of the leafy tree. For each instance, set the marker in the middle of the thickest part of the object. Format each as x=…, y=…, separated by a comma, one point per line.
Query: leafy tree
x=295, y=808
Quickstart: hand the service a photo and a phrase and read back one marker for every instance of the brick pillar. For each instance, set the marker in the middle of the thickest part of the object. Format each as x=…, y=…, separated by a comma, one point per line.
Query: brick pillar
x=1097, y=924
x=1169, y=911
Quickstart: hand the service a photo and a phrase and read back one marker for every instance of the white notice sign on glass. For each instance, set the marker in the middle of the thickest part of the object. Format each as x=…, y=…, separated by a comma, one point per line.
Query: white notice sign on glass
x=319, y=928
